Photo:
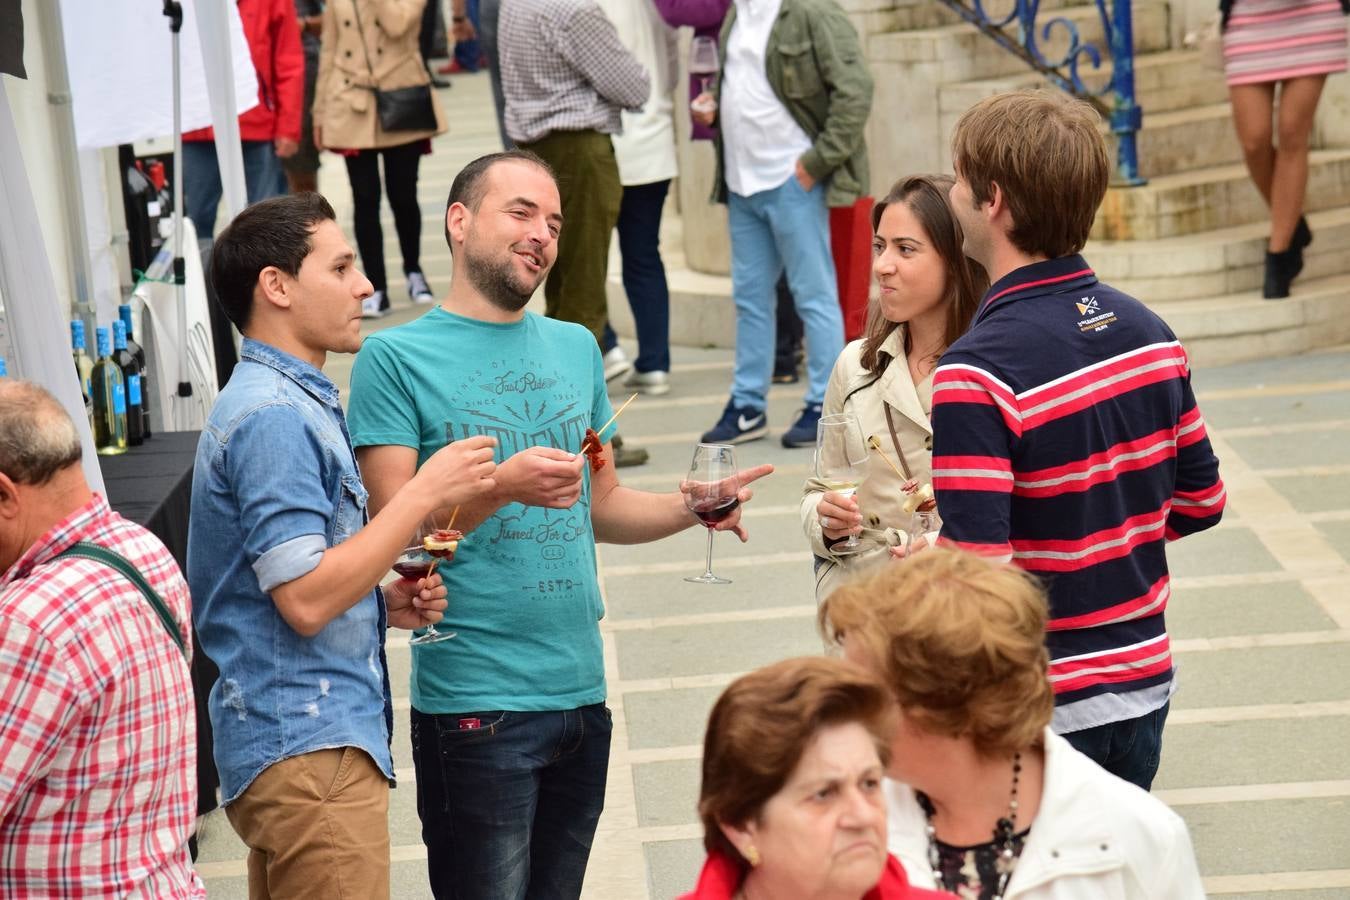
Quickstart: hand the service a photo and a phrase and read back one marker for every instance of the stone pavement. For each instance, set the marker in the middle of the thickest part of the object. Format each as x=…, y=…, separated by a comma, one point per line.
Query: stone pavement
x=1255, y=756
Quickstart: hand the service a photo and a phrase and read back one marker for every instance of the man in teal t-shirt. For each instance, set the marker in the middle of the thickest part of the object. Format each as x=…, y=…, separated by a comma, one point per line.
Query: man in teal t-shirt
x=510, y=732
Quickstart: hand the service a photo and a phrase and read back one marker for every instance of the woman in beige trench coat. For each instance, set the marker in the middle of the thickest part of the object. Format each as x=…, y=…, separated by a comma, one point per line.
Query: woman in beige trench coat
x=928, y=290
x=368, y=44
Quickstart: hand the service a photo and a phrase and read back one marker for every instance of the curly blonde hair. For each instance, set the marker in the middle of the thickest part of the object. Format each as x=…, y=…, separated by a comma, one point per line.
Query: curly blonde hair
x=959, y=640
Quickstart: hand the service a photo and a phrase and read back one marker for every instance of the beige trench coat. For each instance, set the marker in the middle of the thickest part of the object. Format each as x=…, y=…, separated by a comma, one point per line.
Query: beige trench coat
x=344, y=102
x=880, y=498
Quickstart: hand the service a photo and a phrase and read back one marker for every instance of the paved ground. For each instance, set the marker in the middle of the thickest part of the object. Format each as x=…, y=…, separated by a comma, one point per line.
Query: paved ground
x=1256, y=749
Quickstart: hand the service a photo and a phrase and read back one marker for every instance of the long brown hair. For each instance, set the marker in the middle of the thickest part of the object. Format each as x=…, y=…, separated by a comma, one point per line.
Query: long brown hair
x=928, y=197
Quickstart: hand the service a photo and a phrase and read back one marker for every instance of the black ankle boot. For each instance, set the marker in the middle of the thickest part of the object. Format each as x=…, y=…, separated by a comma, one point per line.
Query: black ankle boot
x=1302, y=234
x=1280, y=271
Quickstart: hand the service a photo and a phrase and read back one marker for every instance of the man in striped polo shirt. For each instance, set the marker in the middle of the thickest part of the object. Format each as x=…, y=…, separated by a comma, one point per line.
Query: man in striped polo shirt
x=1065, y=434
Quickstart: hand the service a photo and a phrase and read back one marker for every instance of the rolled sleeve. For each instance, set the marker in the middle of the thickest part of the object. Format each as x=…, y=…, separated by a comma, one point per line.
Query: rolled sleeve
x=289, y=561
x=275, y=464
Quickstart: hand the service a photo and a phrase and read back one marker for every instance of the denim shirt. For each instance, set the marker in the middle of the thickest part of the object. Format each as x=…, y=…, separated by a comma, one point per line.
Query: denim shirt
x=275, y=485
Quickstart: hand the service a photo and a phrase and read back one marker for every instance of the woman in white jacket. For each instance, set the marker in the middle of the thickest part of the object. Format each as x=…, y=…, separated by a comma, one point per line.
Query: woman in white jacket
x=928, y=291
x=986, y=801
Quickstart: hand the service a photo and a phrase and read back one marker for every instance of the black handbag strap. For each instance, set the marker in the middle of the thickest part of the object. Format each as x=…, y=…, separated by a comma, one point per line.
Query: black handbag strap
x=119, y=563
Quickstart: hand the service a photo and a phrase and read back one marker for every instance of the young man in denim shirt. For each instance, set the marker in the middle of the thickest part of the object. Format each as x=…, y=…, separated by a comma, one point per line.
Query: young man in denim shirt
x=285, y=569
x=509, y=727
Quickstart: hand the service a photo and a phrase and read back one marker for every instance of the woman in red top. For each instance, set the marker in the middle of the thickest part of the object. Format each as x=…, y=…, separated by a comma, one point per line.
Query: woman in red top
x=791, y=800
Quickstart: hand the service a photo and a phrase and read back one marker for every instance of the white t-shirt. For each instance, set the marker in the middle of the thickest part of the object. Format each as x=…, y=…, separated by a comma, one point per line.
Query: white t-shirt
x=645, y=150
x=761, y=142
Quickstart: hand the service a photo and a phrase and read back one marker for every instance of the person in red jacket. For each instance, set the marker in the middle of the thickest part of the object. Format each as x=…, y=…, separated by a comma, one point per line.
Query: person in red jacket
x=792, y=801
x=269, y=131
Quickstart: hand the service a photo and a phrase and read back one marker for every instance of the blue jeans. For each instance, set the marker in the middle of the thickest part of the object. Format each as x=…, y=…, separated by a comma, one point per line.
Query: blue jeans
x=509, y=805
x=784, y=228
x=1130, y=749
x=644, y=274
x=201, y=180
x=469, y=54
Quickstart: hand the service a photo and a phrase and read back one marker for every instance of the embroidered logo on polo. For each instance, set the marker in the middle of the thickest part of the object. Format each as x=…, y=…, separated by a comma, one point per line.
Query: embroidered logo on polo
x=1095, y=319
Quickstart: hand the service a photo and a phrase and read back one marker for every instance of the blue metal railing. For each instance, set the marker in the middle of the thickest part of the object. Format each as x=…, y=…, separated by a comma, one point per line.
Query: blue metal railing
x=1122, y=112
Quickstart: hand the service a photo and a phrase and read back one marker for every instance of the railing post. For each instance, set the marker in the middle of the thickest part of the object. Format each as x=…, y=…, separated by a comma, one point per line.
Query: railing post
x=1126, y=116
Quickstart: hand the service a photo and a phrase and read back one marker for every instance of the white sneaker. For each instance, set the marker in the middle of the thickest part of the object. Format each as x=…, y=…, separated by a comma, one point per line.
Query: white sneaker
x=654, y=383
x=373, y=306
x=419, y=290
x=616, y=363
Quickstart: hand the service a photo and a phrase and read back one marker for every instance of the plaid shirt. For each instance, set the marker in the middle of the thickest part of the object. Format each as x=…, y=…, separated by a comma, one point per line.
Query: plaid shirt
x=97, y=729
x=564, y=69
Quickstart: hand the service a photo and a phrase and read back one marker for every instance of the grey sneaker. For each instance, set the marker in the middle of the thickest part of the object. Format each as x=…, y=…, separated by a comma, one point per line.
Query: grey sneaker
x=654, y=383
x=374, y=306
x=616, y=363
x=419, y=290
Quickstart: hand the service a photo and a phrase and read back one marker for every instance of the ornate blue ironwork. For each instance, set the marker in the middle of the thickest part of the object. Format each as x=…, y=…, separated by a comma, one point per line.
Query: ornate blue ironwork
x=1122, y=112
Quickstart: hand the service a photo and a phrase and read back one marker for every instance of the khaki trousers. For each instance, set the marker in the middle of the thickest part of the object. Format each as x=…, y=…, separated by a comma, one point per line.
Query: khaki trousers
x=316, y=825
x=588, y=184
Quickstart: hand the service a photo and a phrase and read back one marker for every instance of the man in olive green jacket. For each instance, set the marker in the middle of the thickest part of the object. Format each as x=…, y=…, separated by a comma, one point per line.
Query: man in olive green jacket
x=791, y=104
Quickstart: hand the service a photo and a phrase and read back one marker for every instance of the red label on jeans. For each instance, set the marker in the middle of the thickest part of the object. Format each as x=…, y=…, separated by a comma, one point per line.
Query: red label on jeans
x=470, y=724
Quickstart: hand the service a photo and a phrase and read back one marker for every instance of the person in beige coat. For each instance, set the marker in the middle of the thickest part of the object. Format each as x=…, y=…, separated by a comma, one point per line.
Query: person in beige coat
x=928, y=291
x=365, y=45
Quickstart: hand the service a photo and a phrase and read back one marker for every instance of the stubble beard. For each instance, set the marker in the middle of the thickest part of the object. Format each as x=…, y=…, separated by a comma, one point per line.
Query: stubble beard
x=497, y=281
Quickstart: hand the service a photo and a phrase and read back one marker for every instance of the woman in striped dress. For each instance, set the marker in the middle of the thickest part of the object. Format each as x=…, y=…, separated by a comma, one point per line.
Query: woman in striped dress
x=1294, y=44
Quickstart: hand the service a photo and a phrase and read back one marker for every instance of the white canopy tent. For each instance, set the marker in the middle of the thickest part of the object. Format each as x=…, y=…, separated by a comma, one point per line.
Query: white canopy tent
x=102, y=73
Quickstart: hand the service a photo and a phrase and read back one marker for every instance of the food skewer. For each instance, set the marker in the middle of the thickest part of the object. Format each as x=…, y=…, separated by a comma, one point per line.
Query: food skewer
x=920, y=496
x=876, y=445
x=601, y=430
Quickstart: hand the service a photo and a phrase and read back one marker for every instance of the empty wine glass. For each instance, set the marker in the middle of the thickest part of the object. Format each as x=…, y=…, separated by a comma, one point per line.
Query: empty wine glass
x=712, y=492
x=414, y=563
x=841, y=461
x=920, y=524
x=703, y=60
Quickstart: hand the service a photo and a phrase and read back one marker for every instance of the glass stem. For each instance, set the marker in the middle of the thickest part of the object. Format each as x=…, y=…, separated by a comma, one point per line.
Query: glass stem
x=709, y=572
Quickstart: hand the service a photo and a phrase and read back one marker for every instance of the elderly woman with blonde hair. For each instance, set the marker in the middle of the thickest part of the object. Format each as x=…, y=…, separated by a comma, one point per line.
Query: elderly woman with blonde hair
x=985, y=800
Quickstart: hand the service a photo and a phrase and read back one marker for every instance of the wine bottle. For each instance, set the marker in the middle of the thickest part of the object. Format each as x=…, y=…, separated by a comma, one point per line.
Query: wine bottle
x=131, y=377
x=84, y=366
x=4, y=372
x=124, y=313
x=110, y=400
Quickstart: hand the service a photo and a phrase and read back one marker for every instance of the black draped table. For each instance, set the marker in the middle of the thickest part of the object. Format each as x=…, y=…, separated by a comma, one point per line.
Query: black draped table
x=152, y=486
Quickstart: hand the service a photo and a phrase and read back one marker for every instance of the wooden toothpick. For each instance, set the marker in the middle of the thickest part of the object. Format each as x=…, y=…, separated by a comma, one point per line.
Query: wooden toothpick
x=601, y=430
x=876, y=445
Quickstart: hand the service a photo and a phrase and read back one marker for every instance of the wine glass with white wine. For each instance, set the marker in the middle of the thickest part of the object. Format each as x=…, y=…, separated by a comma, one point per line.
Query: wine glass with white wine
x=841, y=462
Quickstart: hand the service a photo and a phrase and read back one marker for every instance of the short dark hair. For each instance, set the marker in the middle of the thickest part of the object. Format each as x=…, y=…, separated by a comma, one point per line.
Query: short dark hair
x=470, y=186
x=37, y=437
x=1043, y=149
x=762, y=724
x=275, y=232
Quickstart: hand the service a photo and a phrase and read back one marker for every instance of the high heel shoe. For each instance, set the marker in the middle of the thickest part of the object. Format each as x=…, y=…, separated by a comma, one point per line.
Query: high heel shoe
x=1280, y=271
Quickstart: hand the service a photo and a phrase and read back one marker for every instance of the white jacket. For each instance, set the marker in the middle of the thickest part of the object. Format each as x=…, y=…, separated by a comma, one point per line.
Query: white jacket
x=645, y=151
x=1095, y=837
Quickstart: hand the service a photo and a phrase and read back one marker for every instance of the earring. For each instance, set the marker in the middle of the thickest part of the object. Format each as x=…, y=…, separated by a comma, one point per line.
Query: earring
x=752, y=856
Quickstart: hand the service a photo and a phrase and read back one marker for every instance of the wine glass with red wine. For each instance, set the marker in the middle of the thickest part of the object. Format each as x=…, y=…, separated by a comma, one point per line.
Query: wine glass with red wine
x=429, y=549
x=712, y=492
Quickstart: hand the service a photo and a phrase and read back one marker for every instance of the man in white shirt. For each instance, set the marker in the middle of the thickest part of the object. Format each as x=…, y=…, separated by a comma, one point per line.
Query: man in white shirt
x=792, y=103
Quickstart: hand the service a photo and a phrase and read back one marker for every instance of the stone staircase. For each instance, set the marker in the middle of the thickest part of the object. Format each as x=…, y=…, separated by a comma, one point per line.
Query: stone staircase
x=1190, y=242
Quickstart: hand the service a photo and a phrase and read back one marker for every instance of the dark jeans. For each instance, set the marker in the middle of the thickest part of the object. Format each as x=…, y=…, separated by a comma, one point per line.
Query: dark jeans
x=201, y=180
x=509, y=808
x=1130, y=749
x=788, y=333
x=400, y=180
x=469, y=54
x=644, y=274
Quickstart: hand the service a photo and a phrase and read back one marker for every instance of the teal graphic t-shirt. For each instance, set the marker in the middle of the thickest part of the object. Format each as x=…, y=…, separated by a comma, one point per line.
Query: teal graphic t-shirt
x=523, y=593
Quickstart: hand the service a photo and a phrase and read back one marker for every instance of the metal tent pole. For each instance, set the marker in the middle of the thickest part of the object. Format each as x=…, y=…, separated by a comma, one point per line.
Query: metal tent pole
x=174, y=10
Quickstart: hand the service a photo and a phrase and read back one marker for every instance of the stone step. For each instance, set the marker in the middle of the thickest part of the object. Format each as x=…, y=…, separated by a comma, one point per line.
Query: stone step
x=1241, y=327
x=1211, y=198
x=1224, y=261
x=964, y=54
x=1229, y=324
x=1163, y=82
x=875, y=16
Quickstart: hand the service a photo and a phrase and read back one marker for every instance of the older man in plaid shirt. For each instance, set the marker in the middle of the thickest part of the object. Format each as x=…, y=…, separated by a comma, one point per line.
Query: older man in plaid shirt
x=566, y=78
x=97, y=731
